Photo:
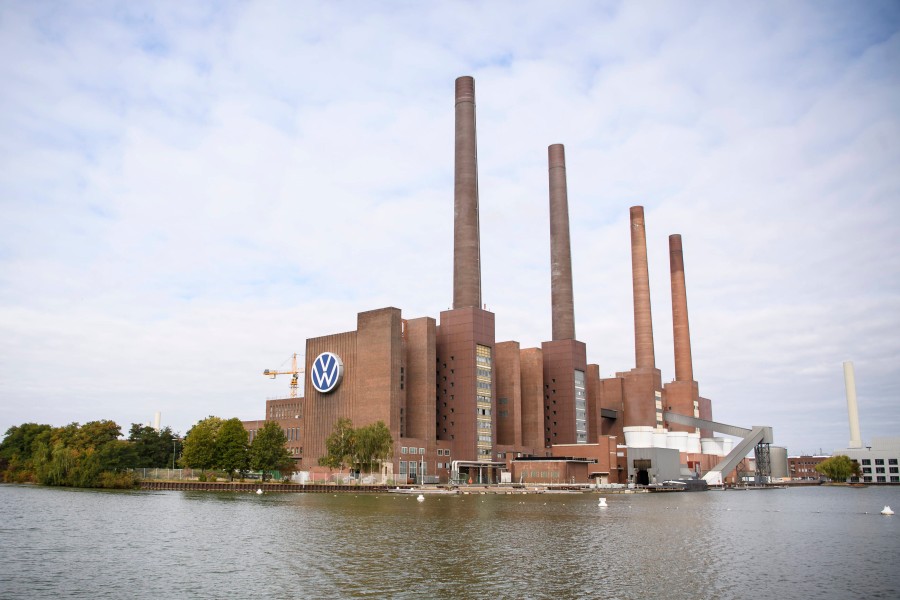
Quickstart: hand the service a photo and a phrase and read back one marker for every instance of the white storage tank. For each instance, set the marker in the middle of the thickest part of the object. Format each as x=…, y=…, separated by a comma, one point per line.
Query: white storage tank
x=720, y=446
x=677, y=440
x=638, y=436
x=693, y=443
x=708, y=446
x=727, y=445
x=659, y=438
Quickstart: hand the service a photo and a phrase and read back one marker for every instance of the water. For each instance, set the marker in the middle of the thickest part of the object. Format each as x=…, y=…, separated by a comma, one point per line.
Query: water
x=789, y=544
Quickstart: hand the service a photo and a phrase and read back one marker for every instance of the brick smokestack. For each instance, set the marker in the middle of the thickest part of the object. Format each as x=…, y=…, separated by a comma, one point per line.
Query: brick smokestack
x=561, y=295
x=640, y=278
x=684, y=370
x=466, y=250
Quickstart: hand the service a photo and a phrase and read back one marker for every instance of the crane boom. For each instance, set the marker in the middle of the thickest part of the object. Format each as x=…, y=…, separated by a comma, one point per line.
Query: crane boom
x=294, y=372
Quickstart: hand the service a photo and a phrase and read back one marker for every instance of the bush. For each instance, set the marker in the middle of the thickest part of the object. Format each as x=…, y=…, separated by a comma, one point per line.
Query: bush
x=117, y=481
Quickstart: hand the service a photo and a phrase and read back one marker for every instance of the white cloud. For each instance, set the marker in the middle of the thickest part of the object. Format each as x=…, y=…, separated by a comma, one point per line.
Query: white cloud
x=188, y=193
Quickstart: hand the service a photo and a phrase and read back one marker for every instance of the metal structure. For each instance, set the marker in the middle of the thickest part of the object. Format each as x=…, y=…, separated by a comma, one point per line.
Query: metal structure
x=294, y=372
x=763, y=463
x=758, y=438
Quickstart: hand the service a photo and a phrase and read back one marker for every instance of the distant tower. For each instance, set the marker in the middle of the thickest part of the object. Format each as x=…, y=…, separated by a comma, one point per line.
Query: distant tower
x=852, y=407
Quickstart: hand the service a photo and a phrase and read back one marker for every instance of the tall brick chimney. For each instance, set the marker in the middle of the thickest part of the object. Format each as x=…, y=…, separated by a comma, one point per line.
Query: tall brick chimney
x=466, y=250
x=563, y=305
x=640, y=278
x=684, y=370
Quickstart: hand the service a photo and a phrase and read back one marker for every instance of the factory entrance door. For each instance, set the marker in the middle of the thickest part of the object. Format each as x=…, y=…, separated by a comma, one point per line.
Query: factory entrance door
x=641, y=471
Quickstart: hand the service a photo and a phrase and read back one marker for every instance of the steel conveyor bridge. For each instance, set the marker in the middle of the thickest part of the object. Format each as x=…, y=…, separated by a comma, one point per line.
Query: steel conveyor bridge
x=758, y=438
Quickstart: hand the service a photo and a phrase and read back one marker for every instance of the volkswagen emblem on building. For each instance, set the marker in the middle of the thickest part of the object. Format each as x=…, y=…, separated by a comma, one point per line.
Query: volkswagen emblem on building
x=327, y=371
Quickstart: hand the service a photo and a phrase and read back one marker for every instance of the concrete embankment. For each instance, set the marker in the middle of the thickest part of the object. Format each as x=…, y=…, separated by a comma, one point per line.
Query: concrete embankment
x=224, y=486
x=323, y=488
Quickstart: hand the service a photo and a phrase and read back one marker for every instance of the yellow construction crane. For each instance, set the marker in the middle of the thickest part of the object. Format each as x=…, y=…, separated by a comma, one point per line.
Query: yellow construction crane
x=294, y=373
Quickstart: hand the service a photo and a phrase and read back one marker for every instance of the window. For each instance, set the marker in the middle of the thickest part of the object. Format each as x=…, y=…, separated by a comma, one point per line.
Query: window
x=403, y=467
x=893, y=469
x=867, y=469
x=867, y=479
x=895, y=479
x=866, y=461
x=421, y=450
x=892, y=461
x=879, y=461
x=882, y=479
x=879, y=469
x=403, y=450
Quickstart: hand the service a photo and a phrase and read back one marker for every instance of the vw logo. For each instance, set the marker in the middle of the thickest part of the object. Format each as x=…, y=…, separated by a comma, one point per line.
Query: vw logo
x=327, y=371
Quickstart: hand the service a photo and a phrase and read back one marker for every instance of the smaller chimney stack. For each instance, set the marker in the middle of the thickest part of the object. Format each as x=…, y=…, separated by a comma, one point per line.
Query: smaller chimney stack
x=561, y=295
x=684, y=369
x=645, y=357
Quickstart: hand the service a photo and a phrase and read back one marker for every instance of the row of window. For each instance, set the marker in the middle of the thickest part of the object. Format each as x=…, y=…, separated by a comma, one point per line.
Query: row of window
x=411, y=450
x=882, y=479
x=879, y=461
x=880, y=469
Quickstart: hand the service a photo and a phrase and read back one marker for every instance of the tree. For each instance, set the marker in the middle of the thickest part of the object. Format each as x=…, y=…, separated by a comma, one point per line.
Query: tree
x=232, y=447
x=268, y=452
x=153, y=448
x=17, y=451
x=373, y=445
x=339, y=446
x=199, y=448
x=19, y=439
x=838, y=468
x=89, y=455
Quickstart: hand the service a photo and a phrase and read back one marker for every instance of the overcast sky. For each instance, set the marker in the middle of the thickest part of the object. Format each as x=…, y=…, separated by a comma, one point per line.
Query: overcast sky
x=191, y=190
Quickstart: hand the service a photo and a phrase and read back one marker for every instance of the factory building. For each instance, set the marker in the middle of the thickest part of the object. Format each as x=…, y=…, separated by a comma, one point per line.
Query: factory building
x=462, y=406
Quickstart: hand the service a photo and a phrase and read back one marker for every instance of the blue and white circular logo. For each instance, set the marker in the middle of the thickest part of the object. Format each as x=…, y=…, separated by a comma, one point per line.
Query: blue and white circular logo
x=327, y=371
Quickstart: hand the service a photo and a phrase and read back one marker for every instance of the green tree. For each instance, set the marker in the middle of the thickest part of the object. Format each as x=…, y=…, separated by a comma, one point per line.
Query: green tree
x=153, y=448
x=17, y=451
x=339, y=446
x=268, y=452
x=89, y=455
x=18, y=440
x=838, y=468
x=232, y=448
x=199, y=448
x=373, y=445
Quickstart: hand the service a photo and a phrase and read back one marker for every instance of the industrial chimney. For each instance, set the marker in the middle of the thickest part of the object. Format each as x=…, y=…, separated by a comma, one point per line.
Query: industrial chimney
x=640, y=277
x=852, y=407
x=466, y=251
x=563, y=306
x=684, y=370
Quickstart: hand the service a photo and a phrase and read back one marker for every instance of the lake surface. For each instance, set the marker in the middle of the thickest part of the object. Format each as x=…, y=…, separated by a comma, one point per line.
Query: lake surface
x=790, y=544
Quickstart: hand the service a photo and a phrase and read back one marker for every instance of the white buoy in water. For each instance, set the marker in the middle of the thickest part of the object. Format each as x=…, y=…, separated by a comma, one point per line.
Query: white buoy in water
x=602, y=503
x=259, y=491
x=421, y=498
x=887, y=510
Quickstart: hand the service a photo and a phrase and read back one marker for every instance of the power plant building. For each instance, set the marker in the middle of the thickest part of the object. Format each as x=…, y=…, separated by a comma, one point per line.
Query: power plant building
x=462, y=406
